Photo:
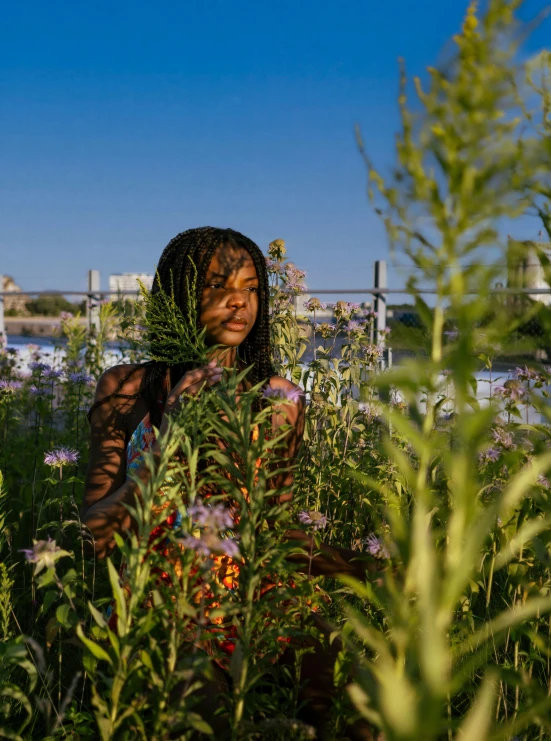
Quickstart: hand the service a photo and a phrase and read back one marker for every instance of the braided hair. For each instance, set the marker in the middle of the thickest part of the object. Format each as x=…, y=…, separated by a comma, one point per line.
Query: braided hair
x=193, y=250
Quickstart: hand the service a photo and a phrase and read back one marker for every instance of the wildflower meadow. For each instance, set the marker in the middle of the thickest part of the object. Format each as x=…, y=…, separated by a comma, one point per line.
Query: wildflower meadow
x=446, y=632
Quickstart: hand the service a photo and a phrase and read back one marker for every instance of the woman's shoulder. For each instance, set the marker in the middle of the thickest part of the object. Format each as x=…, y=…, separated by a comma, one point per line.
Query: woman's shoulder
x=283, y=384
x=118, y=391
x=125, y=378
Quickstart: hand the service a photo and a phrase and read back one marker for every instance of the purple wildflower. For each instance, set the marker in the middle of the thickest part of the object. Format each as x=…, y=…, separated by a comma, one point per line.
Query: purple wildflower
x=372, y=315
x=44, y=554
x=513, y=390
x=315, y=519
x=384, y=332
x=376, y=547
x=209, y=543
x=373, y=353
x=60, y=457
x=80, y=378
x=38, y=390
x=325, y=329
x=542, y=481
x=282, y=394
x=489, y=455
x=529, y=374
x=212, y=517
x=354, y=326
x=294, y=287
x=10, y=386
x=503, y=438
x=273, y=266
x=293, y=273
x=36, y=365
x=66, y=315
x=364, y=407
x=314, y=304
x=52, y=373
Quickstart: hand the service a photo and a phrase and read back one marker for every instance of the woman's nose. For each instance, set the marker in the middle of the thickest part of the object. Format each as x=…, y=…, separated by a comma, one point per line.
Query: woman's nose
x=237, y=299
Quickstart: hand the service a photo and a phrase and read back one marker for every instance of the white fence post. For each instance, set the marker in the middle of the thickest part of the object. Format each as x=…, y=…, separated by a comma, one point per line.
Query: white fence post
x=92, y=304
x=2, y=323
x=379, y=305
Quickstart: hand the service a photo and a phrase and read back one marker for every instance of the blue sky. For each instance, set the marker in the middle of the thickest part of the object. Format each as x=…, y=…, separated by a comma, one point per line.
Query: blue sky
x=122, y=124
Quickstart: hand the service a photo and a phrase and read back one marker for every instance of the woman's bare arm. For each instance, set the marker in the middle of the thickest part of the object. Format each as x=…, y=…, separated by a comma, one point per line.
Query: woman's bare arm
x=107, y=489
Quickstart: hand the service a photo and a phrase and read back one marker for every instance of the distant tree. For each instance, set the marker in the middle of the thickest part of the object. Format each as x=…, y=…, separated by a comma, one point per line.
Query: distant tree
x=52, y=305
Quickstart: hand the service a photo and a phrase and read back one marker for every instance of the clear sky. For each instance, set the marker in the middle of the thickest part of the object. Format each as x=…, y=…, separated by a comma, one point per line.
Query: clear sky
x=123, y=123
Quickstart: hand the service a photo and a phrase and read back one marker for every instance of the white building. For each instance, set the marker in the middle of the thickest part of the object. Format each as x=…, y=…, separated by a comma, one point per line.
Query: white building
x=525, y=269
x=129, y=281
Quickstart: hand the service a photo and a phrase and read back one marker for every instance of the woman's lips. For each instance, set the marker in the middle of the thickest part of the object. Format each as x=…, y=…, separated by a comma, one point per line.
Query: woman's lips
x=234, y=326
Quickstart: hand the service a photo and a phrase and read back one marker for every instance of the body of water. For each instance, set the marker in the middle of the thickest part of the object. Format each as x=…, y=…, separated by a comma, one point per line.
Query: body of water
x=486, y=381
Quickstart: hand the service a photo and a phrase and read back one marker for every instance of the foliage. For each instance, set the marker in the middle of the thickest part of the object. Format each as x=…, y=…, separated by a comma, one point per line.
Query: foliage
x=436, y=470
x=171, y=336
x=52, y=305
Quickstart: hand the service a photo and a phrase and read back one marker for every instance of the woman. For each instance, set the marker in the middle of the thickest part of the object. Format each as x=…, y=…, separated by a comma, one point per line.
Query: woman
x=232, y=296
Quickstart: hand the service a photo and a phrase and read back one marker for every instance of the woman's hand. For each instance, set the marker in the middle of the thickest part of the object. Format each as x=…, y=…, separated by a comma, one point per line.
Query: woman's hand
x=190, y=384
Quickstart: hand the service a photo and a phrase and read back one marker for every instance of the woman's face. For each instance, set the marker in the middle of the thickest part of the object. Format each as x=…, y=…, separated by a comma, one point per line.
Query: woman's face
x=229, y=304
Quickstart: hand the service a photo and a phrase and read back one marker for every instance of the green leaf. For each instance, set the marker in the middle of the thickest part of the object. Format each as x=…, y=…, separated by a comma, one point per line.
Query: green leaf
x=96, y=650
x=62, y=615
x=120, y=600
x=478, y=721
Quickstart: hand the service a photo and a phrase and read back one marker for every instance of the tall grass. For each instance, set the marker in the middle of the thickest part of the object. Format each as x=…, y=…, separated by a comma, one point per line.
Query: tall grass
x=446, y=493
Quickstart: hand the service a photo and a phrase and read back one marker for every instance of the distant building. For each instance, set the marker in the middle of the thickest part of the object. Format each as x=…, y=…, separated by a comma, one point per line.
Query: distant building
x=525, y=269
x=129, y=281
x=17, y=302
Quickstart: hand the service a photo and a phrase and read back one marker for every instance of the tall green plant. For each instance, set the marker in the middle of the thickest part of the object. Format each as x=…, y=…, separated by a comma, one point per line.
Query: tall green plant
x=464, y=165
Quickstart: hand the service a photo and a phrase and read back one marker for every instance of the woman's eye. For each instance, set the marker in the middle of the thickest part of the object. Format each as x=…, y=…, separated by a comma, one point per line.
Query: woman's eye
x=216, y=285
x=253, y=289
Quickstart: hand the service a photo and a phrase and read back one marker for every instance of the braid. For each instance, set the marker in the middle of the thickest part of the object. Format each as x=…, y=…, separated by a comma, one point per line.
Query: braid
x=190, y=250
